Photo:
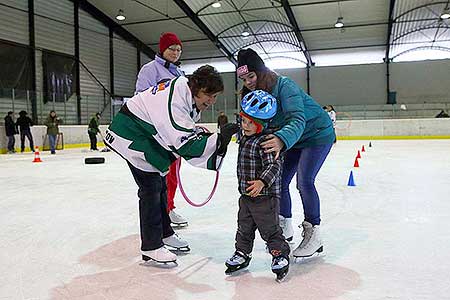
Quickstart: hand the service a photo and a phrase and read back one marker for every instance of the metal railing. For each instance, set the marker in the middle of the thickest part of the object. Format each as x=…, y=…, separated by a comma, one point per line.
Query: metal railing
x=65, y=106
x=388, y=111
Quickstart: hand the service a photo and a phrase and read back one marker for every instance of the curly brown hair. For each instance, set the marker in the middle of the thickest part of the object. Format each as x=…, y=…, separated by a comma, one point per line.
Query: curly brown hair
x=207, y=78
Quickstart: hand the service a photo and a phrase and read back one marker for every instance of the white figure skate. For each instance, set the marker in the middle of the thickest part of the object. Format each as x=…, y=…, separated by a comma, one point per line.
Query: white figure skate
x=177, y=220
x=160, y=255
x=286, y=226
x=311, y=242
x=175, y=243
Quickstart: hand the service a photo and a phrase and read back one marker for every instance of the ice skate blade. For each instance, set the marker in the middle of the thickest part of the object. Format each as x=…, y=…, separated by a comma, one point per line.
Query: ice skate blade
x=148, y=258
x=281, y=278
x=318, y=251
x=236, y=272
x=178, y=250
x=179, y=225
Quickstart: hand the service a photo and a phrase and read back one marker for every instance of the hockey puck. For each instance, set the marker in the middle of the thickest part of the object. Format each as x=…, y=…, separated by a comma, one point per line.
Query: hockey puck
x=94, y=160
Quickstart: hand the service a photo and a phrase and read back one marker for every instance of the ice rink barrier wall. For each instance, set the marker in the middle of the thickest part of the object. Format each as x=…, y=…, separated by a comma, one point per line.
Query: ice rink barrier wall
x=75, y=136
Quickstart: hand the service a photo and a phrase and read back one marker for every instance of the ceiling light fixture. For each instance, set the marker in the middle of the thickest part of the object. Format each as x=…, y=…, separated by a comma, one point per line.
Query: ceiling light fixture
x=339, y=23
x=216, y=4
x=120, y=15
x=340, y=20
x=246, y=32
x=446, y=13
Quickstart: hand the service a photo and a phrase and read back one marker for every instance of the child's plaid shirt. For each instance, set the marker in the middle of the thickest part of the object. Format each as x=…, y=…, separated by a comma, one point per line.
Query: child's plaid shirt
x=254, y=164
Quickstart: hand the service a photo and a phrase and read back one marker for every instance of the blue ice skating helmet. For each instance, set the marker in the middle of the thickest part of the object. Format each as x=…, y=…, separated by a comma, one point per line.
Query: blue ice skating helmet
x=259, y=104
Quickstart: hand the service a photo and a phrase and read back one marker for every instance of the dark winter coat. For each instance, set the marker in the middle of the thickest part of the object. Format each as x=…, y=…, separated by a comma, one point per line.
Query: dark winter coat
x=93, y=125
x=52, y=125
x=10, y=127
x=24, y=123
x=221, y=120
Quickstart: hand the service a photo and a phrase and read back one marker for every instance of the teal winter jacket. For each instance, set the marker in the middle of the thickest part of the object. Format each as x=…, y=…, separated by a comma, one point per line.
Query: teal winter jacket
x=301, y=120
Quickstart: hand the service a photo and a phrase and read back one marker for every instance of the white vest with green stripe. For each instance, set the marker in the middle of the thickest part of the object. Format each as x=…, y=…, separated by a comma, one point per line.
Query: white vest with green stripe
x=158, y=125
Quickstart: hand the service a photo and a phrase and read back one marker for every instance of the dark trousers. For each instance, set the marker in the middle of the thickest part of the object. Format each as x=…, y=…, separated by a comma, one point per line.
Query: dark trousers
x=306, y=163
x=93, y=138
x=260, y=213
x=23, y=134
x=11, y=142
x=153, y=216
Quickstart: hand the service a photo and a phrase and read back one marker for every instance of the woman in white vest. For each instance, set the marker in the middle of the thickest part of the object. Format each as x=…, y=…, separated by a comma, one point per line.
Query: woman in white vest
x=151, y=131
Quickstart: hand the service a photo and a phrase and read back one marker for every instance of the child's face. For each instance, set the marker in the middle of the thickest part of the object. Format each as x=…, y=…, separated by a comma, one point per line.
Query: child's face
x=248, y=126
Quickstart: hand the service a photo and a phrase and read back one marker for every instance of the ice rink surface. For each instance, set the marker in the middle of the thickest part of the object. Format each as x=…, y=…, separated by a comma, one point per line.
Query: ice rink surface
x=70, y=230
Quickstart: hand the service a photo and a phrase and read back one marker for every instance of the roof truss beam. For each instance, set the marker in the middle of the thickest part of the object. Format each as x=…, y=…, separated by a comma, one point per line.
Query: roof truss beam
x=301, y=41
x=389, y=31
x=194, y=17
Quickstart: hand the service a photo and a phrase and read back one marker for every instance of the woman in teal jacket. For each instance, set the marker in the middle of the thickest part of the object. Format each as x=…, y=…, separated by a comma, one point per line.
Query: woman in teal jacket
x=304, y=134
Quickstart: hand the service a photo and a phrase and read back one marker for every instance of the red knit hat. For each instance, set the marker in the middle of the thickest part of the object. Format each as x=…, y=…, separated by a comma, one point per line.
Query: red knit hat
x=168, y=39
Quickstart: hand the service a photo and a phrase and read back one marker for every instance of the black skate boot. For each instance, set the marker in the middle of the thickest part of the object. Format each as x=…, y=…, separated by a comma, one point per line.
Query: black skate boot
x=280, y=266
x=238, y=261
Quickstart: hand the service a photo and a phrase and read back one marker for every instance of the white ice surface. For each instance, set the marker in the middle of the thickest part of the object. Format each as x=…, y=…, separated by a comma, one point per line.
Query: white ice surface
x=70, y=231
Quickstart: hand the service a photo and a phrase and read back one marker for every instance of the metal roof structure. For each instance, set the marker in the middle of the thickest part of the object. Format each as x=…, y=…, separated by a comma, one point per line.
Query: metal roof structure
x=295, y=30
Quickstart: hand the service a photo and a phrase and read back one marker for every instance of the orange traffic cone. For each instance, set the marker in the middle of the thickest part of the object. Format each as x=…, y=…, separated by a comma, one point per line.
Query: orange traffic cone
x=356, y=164
x=363, y=150
x=358, y=155
x=37, y=158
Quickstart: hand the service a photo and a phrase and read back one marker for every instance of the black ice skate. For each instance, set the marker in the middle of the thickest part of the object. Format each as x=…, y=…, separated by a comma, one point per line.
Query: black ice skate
x=280, y=266
x=238, y=261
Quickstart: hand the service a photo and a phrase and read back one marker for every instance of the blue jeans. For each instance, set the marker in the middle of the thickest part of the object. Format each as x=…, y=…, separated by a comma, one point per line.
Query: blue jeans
x=306, y=163
x=52, y=141
x=11, y=142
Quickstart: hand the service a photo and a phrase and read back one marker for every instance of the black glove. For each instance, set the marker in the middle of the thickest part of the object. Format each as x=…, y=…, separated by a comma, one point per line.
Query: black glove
x=225, y=135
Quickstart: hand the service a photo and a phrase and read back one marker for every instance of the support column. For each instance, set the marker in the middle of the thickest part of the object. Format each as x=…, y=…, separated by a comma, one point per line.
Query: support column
x=31, y=30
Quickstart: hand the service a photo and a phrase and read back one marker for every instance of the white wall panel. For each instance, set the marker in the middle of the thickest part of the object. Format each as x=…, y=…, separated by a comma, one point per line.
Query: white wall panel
x=420, y=82
x=345, y=85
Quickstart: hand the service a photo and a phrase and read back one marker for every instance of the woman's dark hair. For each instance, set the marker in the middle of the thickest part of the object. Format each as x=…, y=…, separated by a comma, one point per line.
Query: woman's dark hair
x=207, y=78
x=266, y=80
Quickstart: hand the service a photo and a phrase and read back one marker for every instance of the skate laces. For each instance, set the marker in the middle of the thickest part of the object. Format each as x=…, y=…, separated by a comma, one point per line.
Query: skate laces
x=306, y=234
x=279, y=262
x=177, y=238
x=174, y=214
x=164, y=250
x=239, y=257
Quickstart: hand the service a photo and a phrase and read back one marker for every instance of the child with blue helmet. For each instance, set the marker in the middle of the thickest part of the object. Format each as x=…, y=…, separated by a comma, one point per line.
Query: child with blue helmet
x=304, y=136
x=259, y=177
